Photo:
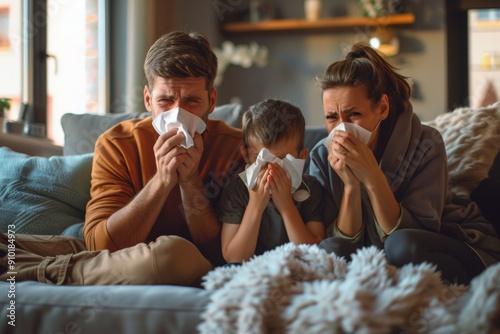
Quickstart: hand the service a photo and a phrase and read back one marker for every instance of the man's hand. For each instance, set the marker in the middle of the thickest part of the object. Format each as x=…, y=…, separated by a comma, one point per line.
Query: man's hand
x=169, y=156
x=189, y=167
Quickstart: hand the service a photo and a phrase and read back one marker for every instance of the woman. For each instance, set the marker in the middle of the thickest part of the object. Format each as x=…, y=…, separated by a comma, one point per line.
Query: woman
x=386, y=175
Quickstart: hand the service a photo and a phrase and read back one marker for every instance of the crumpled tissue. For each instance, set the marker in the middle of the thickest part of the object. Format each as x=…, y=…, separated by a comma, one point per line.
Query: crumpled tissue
x=358, y=131
x=185, y=121
x=293, y=167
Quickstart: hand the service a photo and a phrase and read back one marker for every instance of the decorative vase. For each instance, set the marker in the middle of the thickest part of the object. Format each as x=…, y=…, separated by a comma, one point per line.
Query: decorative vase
x=312, y=9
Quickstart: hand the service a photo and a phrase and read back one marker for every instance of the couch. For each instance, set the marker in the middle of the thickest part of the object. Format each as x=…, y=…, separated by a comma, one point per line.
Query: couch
x=48, y=196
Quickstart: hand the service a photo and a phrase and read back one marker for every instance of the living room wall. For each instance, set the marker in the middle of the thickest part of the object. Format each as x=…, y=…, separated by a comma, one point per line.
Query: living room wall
x=296, y=58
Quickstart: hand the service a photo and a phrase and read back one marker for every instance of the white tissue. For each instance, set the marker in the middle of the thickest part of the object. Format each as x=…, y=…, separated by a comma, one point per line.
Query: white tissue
x=293, y=167
x=354, y=129
x=181, y=119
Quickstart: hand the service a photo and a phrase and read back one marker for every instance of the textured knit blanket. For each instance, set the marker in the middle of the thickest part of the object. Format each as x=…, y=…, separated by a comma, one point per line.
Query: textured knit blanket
x=303, y=289
x=472, y=140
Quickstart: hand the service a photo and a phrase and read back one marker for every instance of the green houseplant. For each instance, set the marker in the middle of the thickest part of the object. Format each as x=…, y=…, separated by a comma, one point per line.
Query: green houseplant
x=4, y=106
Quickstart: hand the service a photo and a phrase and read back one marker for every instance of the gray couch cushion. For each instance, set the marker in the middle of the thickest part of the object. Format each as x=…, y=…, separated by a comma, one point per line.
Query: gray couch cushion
x=314, y=134
x=42, y=308
x=82, y=130
x=229, y=113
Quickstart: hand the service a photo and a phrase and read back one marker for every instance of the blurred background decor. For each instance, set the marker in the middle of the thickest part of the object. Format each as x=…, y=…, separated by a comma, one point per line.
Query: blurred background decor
x=244, y=55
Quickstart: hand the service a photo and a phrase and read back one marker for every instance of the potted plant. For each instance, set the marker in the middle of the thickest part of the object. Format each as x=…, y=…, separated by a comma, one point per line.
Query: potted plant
x=4, y=107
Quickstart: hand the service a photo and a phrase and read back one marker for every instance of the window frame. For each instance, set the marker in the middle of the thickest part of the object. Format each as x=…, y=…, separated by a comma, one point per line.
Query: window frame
x=34, y=61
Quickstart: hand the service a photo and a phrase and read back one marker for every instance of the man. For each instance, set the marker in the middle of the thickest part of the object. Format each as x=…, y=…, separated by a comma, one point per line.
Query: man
x=151, y=208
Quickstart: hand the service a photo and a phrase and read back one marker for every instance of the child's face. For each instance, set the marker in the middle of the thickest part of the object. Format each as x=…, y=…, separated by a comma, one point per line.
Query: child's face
x=280, y=149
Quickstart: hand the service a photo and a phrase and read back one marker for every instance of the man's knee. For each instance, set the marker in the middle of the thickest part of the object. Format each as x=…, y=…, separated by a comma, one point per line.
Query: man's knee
x=178, y=261
x=169, y=260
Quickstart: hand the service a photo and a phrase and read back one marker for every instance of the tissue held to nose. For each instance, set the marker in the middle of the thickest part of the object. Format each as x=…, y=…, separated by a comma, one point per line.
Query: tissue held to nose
x=354, y=129
x=293, y=167
x=181, y=119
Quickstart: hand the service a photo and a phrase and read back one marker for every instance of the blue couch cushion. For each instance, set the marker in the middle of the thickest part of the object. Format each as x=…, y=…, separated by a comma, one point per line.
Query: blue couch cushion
x=43, y=195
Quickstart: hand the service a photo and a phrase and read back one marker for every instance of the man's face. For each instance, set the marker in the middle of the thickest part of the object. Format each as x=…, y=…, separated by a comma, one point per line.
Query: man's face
x=188, y=93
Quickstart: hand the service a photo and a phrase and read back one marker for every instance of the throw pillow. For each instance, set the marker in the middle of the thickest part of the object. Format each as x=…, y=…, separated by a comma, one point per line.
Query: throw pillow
x=43, y=195
x=472, y=140
x=82, y=130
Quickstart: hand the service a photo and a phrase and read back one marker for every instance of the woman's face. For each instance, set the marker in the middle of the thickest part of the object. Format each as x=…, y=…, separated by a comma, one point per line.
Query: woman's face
x=351, y=105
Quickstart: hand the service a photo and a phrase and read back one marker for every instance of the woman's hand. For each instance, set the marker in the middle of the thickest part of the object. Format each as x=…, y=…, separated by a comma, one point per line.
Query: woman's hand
x=336, y=157
x=357, y=156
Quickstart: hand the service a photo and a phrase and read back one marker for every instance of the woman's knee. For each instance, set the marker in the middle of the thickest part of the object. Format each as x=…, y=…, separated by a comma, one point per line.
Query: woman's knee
x=340, y=247
x=403, y=246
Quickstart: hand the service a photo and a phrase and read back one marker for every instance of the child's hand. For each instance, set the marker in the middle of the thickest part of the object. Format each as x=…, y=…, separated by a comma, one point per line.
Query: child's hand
x=260, y=194
x=281, y=187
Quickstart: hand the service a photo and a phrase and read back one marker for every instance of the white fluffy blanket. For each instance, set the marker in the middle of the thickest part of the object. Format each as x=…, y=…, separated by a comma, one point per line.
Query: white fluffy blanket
x=303, y=289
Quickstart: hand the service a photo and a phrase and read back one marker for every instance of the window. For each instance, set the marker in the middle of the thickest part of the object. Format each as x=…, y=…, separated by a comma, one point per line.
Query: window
x=66, y=72
x=73, y=75
x=484, y=57
x=76, y=61
x=458, y=44
x=10, y=54
x=488, y=14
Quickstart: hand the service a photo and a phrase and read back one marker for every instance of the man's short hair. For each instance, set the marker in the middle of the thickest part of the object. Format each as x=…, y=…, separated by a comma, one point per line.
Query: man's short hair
x=181, y=55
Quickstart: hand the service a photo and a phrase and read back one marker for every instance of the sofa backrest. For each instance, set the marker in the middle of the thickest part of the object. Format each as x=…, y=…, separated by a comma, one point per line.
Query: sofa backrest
x=82, y=130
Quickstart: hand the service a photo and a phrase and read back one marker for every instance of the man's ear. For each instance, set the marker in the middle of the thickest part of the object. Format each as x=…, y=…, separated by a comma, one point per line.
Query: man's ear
x=244, y=154
x=147, y=99
x=213, y=99
x=303, y=153
x=384, y=107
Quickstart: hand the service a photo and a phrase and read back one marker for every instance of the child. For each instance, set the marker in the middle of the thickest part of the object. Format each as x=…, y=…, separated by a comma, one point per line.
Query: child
x=271, y=202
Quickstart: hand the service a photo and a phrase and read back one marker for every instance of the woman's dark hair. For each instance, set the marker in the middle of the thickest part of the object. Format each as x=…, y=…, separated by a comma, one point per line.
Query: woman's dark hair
x=364, y=67
x=181, y=55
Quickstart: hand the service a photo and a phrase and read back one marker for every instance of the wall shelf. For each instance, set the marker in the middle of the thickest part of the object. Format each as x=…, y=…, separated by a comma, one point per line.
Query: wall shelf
x=321, y=24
